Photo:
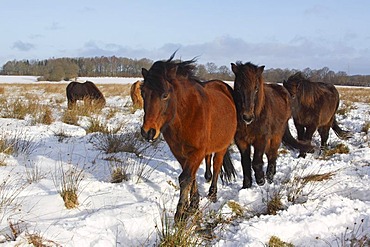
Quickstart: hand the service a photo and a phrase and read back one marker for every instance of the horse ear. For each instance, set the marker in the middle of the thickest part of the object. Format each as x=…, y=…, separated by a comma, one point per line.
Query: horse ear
x=144, y=72
x=260, y=69
x=234, y=68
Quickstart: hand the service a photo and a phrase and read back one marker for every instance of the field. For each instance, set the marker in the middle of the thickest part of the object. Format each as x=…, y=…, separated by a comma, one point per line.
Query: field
x=86, y=178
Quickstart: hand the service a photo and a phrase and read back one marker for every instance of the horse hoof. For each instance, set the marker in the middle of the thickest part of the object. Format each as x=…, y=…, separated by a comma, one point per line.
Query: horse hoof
x=247, y=186
x=270, y=178
x=261, y=181
x=212, y=197
x=302, y=155
x=208, y=178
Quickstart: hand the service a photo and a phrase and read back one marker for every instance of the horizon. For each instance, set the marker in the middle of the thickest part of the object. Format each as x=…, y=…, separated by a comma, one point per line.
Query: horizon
x=283, y=35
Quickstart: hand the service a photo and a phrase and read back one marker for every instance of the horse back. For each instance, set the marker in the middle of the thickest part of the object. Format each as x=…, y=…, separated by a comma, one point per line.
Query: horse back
x=277, y=98
x=221, y=112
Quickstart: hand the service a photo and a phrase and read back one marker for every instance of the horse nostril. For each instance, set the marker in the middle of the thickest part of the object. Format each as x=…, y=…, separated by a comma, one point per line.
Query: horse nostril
x=143, y=133
x=248, y=118
x=149, y=136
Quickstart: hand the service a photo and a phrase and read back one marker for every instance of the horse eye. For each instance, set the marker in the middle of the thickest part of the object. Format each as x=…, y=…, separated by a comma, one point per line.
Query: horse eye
x=165, y=96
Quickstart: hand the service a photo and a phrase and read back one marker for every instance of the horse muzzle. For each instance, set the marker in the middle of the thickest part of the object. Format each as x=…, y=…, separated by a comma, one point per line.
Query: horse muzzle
x=149, y=135
x=248, y=118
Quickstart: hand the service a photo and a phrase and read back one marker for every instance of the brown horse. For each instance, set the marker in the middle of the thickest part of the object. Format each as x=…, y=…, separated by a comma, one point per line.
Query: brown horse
x=313, y=108
x=86, y=91
x=263, y=114
x=135, y=93
x=196, y=119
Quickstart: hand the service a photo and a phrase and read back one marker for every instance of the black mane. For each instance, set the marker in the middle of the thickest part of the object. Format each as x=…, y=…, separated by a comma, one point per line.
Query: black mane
x=158, y=72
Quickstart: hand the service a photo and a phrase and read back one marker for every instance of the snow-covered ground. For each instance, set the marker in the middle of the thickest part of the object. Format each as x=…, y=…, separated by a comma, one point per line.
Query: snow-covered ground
x=330, y=212
x=98, y=80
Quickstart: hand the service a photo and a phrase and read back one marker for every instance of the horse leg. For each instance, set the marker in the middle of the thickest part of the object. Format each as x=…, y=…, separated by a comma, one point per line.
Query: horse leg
x=208, y=173
x=272, y=155
x=188, y=186
x=194, y=197
x=310, y=130
x=300, y=131
x=257, y=163
x=324, y=134
x=245, y=153
x=71, y=103
x=218, y=159
x=185, y=180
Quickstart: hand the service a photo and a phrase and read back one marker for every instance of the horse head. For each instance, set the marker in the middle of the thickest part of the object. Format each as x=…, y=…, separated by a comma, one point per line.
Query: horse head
x=159, y=99
x=248, y=87
x=292, y=84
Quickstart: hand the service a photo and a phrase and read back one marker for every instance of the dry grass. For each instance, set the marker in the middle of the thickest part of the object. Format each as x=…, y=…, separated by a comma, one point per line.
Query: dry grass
x=354, y=94
x=318, y=177
x=68, y=184
x=115, y=89
x=338, y=149
x=35, y=239
x=277, y=242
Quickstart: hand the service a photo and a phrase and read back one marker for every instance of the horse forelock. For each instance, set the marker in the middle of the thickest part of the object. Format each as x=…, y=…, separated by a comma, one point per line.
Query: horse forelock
x=250, y=71
x=157, y=74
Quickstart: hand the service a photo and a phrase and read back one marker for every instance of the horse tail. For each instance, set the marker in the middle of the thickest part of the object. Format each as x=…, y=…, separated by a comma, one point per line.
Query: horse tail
x=344, y=134
x=293, y=143
x=228, y=171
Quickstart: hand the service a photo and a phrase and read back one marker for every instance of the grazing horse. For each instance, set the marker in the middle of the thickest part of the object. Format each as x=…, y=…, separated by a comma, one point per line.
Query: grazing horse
x=314, y=105
x=263, y=111
x=86, y=91
x=197, y=119
x=135, y=93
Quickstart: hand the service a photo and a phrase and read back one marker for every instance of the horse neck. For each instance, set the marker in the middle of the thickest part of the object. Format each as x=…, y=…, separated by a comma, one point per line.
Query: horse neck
x=187, y=99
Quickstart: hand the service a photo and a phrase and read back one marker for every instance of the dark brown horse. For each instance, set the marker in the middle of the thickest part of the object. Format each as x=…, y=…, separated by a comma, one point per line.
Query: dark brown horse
x=263, y=114
x=86, y=91
x=313, y=108
x=196, y=119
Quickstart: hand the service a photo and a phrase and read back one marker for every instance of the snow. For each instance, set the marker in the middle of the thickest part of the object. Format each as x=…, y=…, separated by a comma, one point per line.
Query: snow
x=324, y=213
x=98, y=80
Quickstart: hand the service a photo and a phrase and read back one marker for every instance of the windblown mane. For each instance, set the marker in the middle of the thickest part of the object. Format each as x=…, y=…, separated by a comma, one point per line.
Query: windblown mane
x=158, y=72
x=308, y=92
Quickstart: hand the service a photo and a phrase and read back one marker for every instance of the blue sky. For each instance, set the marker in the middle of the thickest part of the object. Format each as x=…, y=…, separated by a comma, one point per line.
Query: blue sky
x=277, y=34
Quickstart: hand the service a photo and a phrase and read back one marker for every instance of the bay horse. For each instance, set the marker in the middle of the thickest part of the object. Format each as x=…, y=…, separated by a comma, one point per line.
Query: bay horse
x=263, y=111
x=314, y=105
x=86, y=91
x=135, y=93
x=196, y=118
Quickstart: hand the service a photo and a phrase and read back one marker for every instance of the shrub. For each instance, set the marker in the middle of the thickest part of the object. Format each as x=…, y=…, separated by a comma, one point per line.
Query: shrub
x=68, y=185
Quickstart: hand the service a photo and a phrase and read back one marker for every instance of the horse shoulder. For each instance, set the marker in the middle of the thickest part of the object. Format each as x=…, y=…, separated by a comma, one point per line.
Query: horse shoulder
x=278, y=92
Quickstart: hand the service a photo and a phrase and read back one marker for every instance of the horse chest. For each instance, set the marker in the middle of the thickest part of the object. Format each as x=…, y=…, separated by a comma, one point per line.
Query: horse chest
x=180, y=143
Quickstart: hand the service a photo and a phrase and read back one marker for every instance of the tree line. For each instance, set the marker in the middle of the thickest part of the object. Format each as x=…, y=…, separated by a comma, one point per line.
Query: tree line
x=57, y=69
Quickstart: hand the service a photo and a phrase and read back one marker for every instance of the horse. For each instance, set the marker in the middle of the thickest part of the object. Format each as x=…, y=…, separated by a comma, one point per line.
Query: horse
x=135, y=93
x=263, y=111
x=314, y=105
x=197, y=119
x=86, y=91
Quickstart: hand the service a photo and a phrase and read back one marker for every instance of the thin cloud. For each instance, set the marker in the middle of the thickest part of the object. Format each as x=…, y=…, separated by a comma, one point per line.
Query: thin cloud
x=54, y=26
x=299, y=53
x=23, y=46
